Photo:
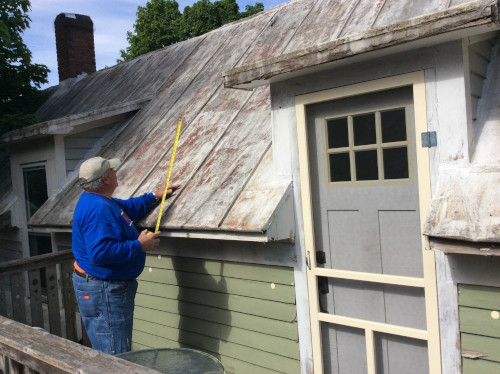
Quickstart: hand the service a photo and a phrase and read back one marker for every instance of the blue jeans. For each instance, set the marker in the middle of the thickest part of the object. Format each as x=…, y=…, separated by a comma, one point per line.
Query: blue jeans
x=107, y=310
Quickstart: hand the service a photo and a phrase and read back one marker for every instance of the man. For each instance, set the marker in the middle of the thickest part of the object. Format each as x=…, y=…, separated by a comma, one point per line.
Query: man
x=110, y=253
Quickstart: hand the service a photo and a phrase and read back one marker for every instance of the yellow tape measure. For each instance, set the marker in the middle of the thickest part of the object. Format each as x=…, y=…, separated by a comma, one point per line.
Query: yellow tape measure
x=174, y=148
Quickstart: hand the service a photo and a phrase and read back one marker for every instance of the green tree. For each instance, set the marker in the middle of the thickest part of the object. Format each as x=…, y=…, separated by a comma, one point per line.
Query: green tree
x=160, y=23
x=250, y=10
x=199, y=19
x=20, y=79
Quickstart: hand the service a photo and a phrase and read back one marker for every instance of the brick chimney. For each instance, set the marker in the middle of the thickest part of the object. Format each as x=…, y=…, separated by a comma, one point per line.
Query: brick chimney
x=75, y=45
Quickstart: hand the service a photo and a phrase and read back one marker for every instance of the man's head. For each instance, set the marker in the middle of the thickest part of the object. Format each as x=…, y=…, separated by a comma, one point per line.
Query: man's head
x=95, y=173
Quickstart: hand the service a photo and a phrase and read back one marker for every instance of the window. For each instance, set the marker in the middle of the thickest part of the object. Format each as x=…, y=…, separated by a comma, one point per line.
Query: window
x=368, y=146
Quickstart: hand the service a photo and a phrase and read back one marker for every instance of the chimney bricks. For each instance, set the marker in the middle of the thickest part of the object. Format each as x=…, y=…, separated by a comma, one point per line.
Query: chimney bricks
x=75, y=45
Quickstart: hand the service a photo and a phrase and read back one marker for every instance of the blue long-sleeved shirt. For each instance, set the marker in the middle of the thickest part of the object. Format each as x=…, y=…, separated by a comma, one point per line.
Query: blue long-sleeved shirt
x=104, y=238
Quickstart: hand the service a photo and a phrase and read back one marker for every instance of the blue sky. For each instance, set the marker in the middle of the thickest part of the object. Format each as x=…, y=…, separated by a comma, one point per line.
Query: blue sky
x=112, y=19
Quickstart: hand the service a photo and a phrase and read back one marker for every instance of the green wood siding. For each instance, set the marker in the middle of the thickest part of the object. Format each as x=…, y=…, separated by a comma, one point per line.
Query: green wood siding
x=244, y=314
x=480, y=332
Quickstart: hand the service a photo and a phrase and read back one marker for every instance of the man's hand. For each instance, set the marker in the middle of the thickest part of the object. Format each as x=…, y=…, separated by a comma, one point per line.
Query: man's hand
x=159, y=193
x=149, y=242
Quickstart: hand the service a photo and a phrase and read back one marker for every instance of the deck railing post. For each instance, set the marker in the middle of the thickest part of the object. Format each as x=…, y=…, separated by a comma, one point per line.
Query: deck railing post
x=18, y=295
x=69, y=301
x=53, y=300
x=13, y=277
x=35, y=289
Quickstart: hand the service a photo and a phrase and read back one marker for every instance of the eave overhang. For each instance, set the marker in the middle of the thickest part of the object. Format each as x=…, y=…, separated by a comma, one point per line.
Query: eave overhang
x=452, y=24
x=277, y=227
x=262, y=237
x=74, y=123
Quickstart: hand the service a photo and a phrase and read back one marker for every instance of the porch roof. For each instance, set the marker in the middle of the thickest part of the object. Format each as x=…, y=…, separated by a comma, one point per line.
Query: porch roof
x=224, y=160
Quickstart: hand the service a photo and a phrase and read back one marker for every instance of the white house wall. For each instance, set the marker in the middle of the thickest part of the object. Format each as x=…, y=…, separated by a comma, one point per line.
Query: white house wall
x=10, y=242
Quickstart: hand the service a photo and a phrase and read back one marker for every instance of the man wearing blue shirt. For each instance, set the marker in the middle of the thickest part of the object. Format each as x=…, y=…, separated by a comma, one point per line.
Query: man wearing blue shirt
x=110, y=254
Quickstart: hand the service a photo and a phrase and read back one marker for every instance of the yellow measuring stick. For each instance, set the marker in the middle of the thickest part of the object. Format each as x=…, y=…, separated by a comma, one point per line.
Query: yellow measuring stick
x=174, y=148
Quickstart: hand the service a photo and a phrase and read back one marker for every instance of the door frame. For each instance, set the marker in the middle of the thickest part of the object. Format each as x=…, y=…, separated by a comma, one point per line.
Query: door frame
x=417, y=81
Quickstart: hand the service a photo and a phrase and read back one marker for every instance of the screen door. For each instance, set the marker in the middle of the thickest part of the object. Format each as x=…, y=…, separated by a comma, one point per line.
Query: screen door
x=367, y=265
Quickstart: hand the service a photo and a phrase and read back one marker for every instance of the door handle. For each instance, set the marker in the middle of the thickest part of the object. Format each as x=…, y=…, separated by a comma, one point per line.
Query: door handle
x=308, y=259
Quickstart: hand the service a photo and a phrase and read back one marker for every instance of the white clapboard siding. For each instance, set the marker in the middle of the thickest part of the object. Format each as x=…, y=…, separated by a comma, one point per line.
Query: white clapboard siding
x=76, y=146
x=479, y=58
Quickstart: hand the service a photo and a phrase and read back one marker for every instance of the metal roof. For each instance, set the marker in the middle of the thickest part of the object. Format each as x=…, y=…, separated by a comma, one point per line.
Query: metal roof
x=334, y=31
x=224, y=157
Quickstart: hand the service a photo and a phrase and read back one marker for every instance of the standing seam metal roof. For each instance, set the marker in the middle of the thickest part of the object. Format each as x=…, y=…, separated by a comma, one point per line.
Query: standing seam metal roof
x=224, y=157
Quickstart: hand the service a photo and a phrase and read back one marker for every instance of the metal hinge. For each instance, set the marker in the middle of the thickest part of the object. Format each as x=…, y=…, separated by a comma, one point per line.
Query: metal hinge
x=429, y=139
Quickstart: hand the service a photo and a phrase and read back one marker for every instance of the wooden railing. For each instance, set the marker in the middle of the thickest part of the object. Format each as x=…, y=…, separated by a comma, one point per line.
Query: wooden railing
x=38, y=290
x=24, y=349
x=26, y=302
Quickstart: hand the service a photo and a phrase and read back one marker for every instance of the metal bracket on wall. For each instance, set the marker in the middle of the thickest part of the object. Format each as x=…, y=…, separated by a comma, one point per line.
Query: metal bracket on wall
x=320, y=257
x=429, y=139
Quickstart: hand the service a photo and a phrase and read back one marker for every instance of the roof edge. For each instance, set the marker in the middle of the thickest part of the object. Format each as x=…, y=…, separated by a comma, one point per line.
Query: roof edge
x=66, y=125
x=260, y=237
x=469, y=15
x=471, y=248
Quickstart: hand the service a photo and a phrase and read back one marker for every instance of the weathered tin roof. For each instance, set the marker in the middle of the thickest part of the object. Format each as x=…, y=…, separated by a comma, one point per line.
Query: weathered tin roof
x=224, y=157
x=335, y=30
x=224, y=149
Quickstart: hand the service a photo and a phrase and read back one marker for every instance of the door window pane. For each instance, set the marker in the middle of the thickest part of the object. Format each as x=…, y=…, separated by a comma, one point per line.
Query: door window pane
x=358, y=149
x=364, y=129
x=366, y=165
x=393, y=125
x=396, y=163
x=338, y=133
x=340, y=167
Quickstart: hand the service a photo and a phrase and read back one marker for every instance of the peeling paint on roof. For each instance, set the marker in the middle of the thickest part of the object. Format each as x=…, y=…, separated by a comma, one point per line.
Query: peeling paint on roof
x=361, y=26
x=224, y=157
x=224, y=137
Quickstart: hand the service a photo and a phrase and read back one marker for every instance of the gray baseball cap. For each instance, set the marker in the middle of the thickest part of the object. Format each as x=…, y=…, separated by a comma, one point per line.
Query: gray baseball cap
x=95, y=167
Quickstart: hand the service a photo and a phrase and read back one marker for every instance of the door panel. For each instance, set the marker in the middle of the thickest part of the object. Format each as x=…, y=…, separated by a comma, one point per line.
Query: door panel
x=366, y=218
x=401, y=355
x=348, y=345
x=350, y=242
x=400, y=230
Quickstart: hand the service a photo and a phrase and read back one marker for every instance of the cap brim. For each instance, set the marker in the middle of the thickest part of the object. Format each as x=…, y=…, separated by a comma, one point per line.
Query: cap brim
x=114, y=163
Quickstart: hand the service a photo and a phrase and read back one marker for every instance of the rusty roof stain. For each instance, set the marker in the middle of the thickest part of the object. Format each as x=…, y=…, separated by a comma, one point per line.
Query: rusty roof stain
x=334, y=30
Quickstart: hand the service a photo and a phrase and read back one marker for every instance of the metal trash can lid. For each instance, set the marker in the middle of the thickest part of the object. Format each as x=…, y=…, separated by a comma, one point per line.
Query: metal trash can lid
x=175, y=361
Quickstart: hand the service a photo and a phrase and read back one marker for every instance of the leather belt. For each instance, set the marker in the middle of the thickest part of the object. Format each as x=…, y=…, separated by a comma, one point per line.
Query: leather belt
x=91, y=277
x=86, y=275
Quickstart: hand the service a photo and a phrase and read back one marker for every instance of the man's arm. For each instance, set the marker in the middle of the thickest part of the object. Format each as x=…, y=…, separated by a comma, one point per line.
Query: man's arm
x=136, y=207
x=103, y=246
